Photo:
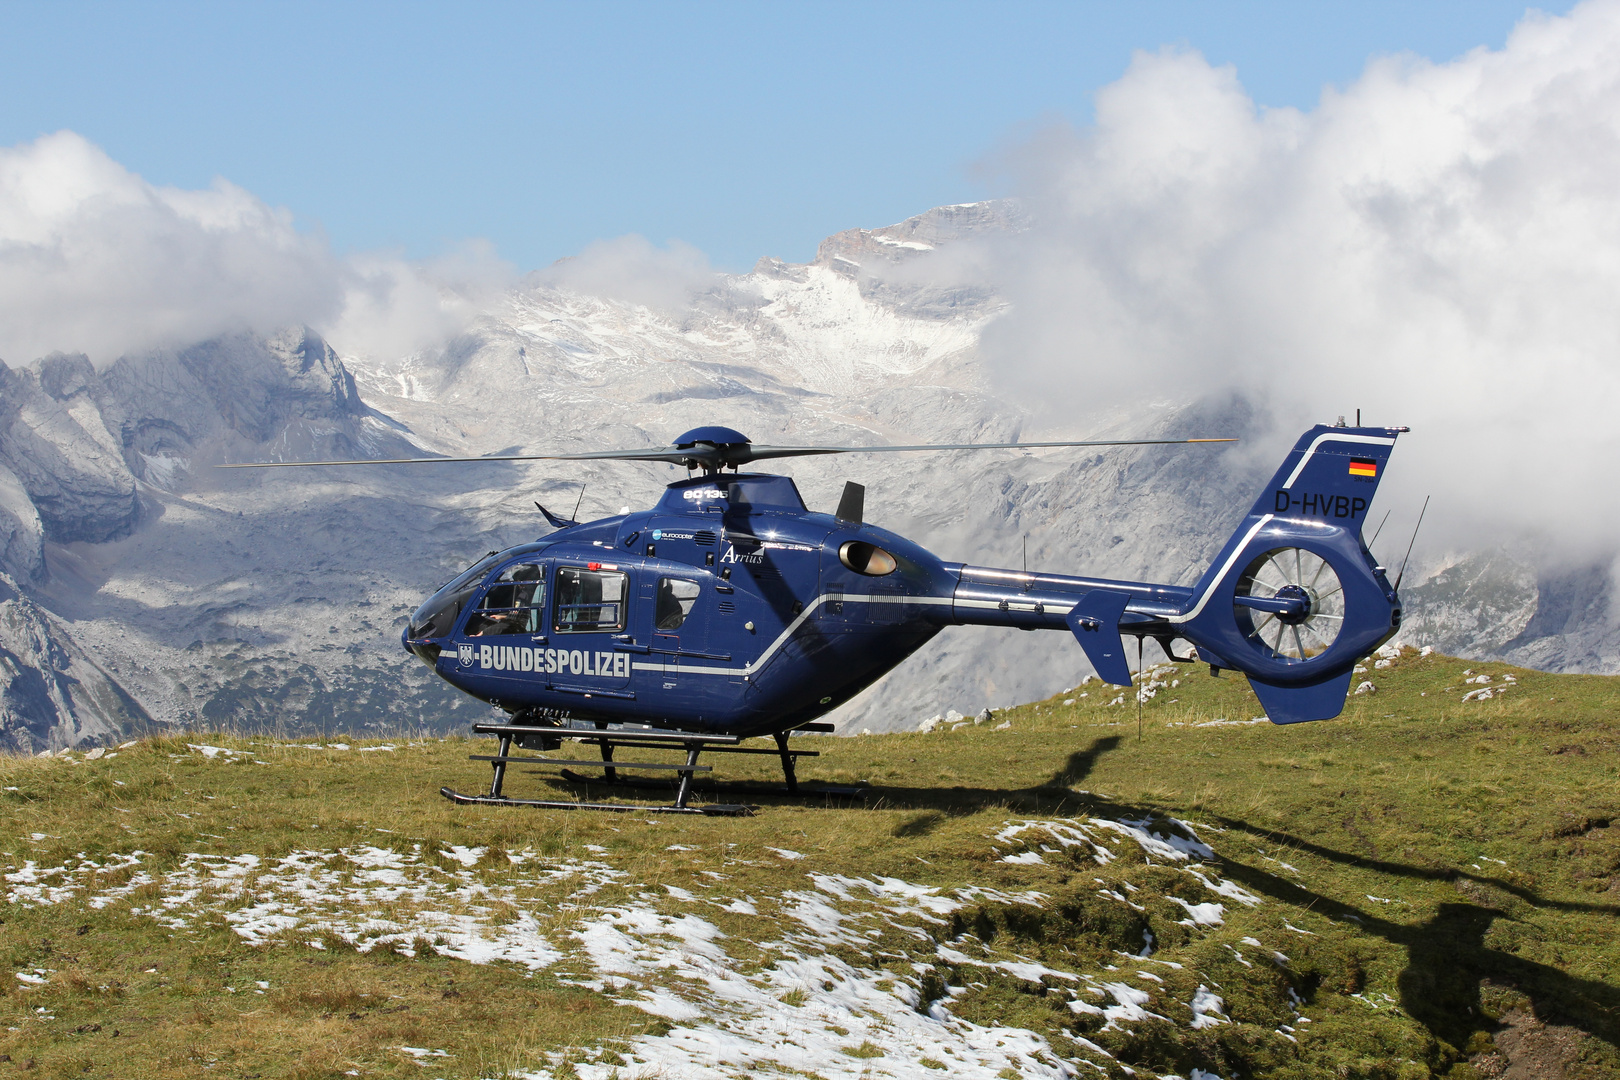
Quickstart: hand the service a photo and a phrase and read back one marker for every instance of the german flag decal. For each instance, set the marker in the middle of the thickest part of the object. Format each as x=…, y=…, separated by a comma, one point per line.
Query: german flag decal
x=1364, y=467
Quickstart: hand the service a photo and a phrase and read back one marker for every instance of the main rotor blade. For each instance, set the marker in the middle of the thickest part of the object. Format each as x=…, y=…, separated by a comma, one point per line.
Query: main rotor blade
x=671, y=455
x=722, y=455
x=758, y=453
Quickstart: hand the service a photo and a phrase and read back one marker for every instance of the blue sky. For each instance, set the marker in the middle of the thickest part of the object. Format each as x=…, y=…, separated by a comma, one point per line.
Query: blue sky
x=746, y=129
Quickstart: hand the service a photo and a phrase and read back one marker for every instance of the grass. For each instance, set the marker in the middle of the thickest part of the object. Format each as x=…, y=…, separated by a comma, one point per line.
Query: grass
x=1439, y=874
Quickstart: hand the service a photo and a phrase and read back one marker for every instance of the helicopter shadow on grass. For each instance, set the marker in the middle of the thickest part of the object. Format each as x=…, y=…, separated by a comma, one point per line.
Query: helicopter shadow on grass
x=937, y=804
x=1052, y=796
x=1447, y=955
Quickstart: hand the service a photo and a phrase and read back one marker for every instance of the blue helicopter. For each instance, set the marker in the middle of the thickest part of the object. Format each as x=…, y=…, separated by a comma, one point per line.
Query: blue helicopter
x=731, y=611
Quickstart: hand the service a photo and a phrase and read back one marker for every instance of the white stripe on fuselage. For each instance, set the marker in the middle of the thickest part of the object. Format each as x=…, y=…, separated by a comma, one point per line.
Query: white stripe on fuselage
x=1188, y=616
x=782, y=638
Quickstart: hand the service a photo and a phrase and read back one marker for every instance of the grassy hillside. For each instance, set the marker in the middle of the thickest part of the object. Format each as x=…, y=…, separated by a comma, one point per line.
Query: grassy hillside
x=1425, y=887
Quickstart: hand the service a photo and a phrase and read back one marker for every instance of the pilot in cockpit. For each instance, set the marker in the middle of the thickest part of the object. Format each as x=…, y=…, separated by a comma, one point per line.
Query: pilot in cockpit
x=512, y=605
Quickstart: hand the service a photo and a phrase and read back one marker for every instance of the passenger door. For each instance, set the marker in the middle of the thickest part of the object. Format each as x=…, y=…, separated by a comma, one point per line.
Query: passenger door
x=675, y=621
x=590, y=614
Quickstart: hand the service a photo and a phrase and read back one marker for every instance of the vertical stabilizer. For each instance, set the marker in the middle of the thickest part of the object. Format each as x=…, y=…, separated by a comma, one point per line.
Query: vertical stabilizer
x=1295, y=599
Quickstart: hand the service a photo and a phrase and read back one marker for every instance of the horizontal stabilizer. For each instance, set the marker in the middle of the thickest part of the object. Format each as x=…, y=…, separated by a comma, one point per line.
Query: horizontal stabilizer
x=1297, y=704
x=1095, y=622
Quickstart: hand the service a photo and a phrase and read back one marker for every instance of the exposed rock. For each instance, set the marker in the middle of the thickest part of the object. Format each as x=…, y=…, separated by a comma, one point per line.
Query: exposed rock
x=1477, y=606
x=84, y=455
x=168, y=405
x=22, y=535
x=53, y=694
x=55, y=441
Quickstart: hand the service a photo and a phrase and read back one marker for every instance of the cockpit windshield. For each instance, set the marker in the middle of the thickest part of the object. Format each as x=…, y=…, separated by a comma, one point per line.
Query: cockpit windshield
x=437, y=617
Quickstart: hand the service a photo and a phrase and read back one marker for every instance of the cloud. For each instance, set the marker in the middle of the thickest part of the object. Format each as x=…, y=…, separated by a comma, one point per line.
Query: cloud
x=392, y=307
x=95, y=259
x=1436, y=244
x=632, y=269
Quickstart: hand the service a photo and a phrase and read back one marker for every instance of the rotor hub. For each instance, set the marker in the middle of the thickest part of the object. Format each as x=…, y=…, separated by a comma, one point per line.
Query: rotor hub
x=1290, y=604
x=1305, y=600
x=713, y=448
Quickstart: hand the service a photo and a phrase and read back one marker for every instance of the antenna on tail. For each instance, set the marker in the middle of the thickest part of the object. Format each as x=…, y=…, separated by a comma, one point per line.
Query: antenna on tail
x=1378, y=530
x=1402, y=574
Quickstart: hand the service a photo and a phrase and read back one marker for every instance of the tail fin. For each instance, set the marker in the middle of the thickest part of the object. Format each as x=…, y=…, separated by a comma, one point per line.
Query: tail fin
x=1295, y=599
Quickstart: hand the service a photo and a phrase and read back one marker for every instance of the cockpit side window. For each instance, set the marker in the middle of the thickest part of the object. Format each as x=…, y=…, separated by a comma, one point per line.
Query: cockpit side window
x=590, y=600
x=675, y=599
x=513, y=604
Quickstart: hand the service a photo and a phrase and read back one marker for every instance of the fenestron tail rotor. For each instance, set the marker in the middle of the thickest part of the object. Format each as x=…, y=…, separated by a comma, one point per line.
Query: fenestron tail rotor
x=1290, y=604
x=713, y=449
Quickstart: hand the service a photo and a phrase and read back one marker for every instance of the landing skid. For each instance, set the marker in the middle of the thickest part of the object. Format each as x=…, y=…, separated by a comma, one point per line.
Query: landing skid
x=712, y=810
x=609, y=739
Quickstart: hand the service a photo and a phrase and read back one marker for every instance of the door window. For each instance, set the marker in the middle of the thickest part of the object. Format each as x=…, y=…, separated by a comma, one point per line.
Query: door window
x=675, y=600
x=590, y=600
x=513, y=604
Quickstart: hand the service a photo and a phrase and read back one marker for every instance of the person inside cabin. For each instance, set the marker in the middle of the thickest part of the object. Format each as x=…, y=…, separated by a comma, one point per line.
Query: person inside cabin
x=512, y=605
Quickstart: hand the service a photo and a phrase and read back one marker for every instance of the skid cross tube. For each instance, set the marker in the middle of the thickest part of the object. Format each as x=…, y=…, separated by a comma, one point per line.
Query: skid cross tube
x=694, y=743
x=787, y=762
x=591, y=764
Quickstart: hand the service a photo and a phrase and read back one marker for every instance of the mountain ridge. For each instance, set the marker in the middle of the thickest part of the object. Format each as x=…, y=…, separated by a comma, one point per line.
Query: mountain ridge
x=272, y=601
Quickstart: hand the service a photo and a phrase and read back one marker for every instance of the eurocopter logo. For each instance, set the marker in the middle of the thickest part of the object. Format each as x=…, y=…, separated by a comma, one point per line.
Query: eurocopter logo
x=465, y=650
x=708, y=494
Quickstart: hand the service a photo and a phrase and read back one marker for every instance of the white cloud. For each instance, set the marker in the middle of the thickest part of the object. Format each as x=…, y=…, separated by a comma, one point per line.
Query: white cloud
x=1437, y=244
x=95, y=259
x=632, y=269
x=392, y=308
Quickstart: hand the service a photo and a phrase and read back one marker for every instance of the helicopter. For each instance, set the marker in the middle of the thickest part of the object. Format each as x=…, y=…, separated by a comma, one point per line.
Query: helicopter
x=731, y=611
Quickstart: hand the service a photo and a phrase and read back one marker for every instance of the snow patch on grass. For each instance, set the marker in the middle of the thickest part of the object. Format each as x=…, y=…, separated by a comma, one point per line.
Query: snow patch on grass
x=849, y=977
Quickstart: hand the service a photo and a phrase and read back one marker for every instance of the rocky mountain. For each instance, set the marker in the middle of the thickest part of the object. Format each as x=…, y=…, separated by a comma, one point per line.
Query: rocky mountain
x=146, y=588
